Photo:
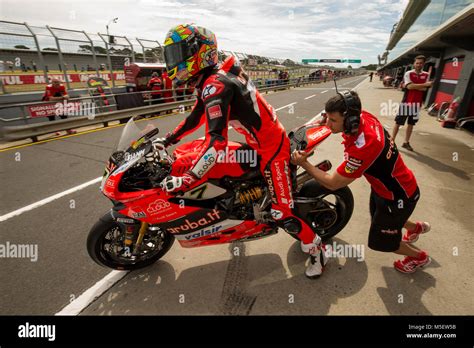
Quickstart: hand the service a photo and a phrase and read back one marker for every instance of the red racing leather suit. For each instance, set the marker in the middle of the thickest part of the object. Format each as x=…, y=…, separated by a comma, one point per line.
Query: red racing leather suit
x=226, y=96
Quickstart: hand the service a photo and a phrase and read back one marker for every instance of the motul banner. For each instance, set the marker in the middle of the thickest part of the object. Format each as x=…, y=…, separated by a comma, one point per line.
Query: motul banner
x=38, y=79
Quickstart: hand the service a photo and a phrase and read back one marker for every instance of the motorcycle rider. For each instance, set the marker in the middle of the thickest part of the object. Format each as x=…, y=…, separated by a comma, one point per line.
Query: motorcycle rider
x=226, y=96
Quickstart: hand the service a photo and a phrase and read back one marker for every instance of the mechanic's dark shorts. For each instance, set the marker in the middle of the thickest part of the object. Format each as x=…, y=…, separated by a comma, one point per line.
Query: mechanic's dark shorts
x=388, y=218
x=408, y=111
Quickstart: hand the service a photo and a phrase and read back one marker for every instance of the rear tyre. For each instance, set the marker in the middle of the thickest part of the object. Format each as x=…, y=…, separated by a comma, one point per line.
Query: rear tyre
x=328, y=215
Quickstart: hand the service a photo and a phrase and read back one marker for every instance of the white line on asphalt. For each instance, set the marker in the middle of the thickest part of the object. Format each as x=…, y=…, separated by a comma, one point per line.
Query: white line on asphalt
x=285, y=106
x=311, y=96
x=357, y=86
x=88, y=296
x=48, y=200
x=324, y=91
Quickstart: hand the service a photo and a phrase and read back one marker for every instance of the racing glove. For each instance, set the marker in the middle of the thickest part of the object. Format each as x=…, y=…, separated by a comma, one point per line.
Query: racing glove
x=177, y=184
x=168, y=140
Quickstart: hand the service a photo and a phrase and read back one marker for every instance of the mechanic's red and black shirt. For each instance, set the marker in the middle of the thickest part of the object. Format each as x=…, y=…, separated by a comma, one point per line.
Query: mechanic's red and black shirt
x=372, y=153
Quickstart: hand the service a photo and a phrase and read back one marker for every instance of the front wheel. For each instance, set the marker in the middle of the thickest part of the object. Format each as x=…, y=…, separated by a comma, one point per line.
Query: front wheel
x=105, y=245
x=327, y=212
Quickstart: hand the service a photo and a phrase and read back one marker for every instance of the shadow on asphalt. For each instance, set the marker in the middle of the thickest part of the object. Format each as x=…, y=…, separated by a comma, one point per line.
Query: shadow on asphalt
x=404, y=292
x=442, y=143
x=243, y=285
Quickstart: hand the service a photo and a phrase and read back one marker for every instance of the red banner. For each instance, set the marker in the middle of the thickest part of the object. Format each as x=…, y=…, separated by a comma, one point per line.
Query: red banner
x=38, y=79
x=54, y=109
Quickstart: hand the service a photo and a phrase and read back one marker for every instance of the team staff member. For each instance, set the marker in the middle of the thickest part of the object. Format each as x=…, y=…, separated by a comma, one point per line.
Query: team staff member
x=57, y=92
x=416, y=83
x=155, y=85
x=370, y=151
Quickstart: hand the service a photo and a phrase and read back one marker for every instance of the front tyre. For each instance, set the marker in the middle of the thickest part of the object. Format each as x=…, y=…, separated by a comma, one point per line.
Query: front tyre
x=327, y=212
x=105, y=245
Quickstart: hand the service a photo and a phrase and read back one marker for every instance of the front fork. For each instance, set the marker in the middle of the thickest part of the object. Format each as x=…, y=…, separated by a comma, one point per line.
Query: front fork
x=130, y=233
x=141, y=233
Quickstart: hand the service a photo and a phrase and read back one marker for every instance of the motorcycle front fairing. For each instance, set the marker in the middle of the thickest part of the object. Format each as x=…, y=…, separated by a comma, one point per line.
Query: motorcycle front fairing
x=308, y=136
x=147, y=203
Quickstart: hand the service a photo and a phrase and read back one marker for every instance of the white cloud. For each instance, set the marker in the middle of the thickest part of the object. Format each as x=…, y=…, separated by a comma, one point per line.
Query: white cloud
x=293, y=29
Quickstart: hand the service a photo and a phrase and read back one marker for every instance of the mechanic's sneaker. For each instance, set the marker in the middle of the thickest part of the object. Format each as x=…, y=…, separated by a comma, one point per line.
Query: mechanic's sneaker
x=411, y=236
x=410, y=264
x=407, y=146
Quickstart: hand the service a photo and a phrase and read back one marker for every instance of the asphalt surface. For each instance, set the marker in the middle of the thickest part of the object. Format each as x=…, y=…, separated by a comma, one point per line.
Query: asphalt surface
x=29, y=174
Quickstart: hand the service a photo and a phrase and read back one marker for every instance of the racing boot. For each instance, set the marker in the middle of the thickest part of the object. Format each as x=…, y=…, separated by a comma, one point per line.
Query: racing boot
x=317, y=257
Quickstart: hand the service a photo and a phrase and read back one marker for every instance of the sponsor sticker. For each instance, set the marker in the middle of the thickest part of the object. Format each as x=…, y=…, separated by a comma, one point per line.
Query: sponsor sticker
x=360, y=142
x=139, y=215
x=190, y=225
x=206, y=162
x=352, y=164
x=390, y=231
x=271, y=188
x=208, y=91
x=214, y=112
x=276, y=214
x=157, y=206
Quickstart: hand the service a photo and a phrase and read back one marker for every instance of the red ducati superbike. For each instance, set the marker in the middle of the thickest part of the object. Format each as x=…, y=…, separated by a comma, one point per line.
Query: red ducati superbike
x=232, y=204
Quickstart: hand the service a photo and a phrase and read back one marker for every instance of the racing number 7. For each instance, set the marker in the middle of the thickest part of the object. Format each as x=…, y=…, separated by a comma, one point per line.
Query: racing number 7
x=198, y=192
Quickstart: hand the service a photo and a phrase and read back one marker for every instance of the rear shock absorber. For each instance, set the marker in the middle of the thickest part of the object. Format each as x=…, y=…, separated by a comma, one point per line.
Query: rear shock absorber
x=250, y=195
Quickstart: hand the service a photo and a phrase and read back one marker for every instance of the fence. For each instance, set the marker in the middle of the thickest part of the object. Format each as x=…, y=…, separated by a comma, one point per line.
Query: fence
x=32, y=55
x=29, y=126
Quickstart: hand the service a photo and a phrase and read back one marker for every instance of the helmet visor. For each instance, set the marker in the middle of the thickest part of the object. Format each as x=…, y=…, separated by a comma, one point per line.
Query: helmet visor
x=175, y=53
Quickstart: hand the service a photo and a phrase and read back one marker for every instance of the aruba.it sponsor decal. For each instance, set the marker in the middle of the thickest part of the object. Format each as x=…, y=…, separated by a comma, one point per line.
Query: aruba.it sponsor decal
x=190, y=225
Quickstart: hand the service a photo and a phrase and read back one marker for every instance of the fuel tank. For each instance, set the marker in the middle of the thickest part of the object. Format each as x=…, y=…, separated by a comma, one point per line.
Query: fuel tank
x=235, y=161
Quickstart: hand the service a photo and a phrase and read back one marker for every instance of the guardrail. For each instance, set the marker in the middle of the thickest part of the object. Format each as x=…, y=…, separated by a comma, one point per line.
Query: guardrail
x=32, y=131
x=11, y=133
x=97, y=99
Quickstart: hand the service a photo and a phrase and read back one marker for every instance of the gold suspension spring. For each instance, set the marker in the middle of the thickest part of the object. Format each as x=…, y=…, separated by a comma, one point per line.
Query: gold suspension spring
x=250, y=195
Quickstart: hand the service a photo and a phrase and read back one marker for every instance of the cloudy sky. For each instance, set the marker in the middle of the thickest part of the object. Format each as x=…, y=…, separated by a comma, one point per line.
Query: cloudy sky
x=294, y=29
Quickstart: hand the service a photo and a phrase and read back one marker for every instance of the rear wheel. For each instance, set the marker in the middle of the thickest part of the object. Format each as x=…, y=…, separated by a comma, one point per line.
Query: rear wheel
x=327, y=212
x=105, y=245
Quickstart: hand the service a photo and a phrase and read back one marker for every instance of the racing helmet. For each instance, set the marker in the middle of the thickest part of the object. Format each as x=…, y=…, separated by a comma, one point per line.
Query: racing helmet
x=188, y=50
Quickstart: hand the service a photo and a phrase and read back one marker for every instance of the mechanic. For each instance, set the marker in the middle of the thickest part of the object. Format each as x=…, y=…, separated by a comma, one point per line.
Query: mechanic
x=156, y=85
x=370, y=151
x=226, y=96
x=57, y=92
x=416, y=83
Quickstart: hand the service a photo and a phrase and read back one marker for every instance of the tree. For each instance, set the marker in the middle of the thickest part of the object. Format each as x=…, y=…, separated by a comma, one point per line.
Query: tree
x=370, y=67
x=100, y=50
x=22, y=47
x=85, y=48
x=289, y=62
